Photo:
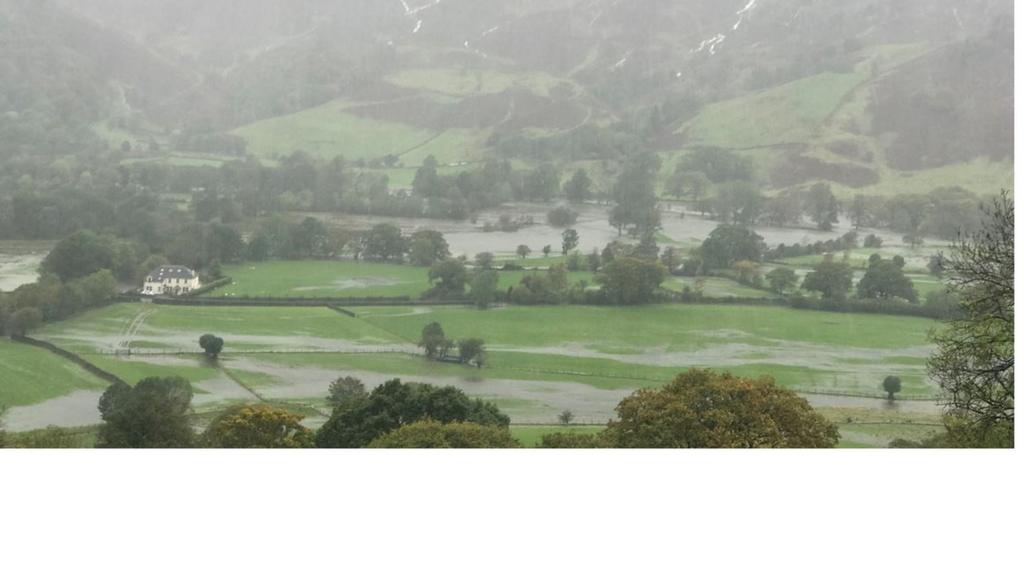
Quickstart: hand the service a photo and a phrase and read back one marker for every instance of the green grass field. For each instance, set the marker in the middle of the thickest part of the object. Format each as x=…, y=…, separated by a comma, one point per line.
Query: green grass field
x=341, y=279
x=29, y=375
x=541, y=360
x=328, y=131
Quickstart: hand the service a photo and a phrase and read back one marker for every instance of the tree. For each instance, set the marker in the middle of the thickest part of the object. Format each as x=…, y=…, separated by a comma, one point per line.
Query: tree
x=738, y=202
x=433, y=434
x=483, y=289
x=566, y=417
x=211, y=345
x=433, y=340
x=395, y=404
x=428, y=247
x=717, y=164
x=729, y=244
x=688, y=183
x=629, y=281
x=79, y=255
x=344, y=389
x=473, y=352
x=858, y=211
x=546, y=250
x=570, y=240
x=782, y=280
x=542, y=184
x=561, y=217
x=635, y=194
x=258, y=426
x=823, y=206
x=427, y=183
x=892, y=386
x=385, y=242
x=703, y=409
x=885, y=280
x=523, y=251
x=449, y=278
x=25, y=320
x=578, y=189
x=974, y=360
x=485, y=260
x=831, y=278
x=152, y=414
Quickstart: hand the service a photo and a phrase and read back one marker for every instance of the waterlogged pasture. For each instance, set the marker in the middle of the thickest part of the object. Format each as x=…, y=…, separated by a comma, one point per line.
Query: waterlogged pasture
x=342, y=279
x=541, y=360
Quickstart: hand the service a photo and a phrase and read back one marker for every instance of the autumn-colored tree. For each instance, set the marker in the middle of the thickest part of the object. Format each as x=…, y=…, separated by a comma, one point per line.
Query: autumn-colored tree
x=433, y=434
x=703, y=409
x=258, y=426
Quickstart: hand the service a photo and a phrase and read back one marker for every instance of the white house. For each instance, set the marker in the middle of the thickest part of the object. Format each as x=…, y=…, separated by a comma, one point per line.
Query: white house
x=172, y=280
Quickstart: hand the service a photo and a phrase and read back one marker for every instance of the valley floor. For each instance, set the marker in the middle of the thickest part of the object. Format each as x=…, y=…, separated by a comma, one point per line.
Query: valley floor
x=541, y=360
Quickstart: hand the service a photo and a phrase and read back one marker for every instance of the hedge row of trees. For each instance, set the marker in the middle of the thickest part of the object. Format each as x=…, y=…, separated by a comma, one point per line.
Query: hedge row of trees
x=48, y=299
x=749, y=413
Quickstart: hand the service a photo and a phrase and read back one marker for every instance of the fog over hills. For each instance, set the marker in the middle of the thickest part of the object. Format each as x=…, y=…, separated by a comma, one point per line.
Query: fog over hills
x=897, y=86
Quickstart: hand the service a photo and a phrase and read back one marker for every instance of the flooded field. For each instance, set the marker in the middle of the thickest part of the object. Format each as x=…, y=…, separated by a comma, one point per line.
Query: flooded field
x=19, y=263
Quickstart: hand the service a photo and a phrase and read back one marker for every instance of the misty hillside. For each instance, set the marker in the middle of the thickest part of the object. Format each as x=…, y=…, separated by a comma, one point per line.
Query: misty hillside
x=869, y=95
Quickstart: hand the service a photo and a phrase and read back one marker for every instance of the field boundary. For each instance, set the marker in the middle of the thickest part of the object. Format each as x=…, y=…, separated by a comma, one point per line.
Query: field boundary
x=68, y=355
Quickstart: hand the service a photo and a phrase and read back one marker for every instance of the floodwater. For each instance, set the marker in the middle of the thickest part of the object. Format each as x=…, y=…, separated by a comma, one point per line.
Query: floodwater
x=687, y=229
x=79, y=408
x=19, y=263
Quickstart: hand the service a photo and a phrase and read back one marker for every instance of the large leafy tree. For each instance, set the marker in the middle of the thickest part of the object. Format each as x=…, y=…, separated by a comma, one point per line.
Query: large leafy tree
x=703, y=409
x=258, y=426
x=631, y=280
x=428, y=247
x=433, y=434
x=974, y=361
x=833, y=279
x=885, y=280
x=578, y=188
x=433, y=340
x=151, y=414
x=385, y=242
x=79, y=255
x=449, y=278
x=729, y=244
x=359, y=422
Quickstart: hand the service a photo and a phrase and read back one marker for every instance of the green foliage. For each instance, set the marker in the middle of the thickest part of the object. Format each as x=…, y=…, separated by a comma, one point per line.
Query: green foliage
x=974, y=362
x=885, y=280
x=570, y=240
x=392, y=405
x=473, y=352
x=892, y=386
x=738, y=202
x=432, y=434
x=211, y=345
x=628, y=281
x=823, y=206
x=717, y=164
x=831, y=278
x=433, y=341
x=427, y=247
x=635, y=194
x=257, y=426
x=562, y=217
x=345, y=389
x=78, y=255
x=152, y=414
x=483, y=289
x=25, y=320
x=728, y=244
x=449, y=278
x=702, y=409
x=385, y=242
x=572, y=441
x=578, y=189
x=782, y=280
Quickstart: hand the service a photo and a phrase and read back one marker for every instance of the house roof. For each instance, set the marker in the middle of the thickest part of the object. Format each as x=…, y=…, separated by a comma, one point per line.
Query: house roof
x=172, y=273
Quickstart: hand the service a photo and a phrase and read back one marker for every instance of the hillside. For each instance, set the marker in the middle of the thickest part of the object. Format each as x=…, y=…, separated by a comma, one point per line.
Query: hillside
x=859, y=95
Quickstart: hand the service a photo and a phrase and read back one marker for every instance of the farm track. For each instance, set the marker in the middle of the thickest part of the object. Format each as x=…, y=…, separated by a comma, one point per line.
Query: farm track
x=133, y=329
